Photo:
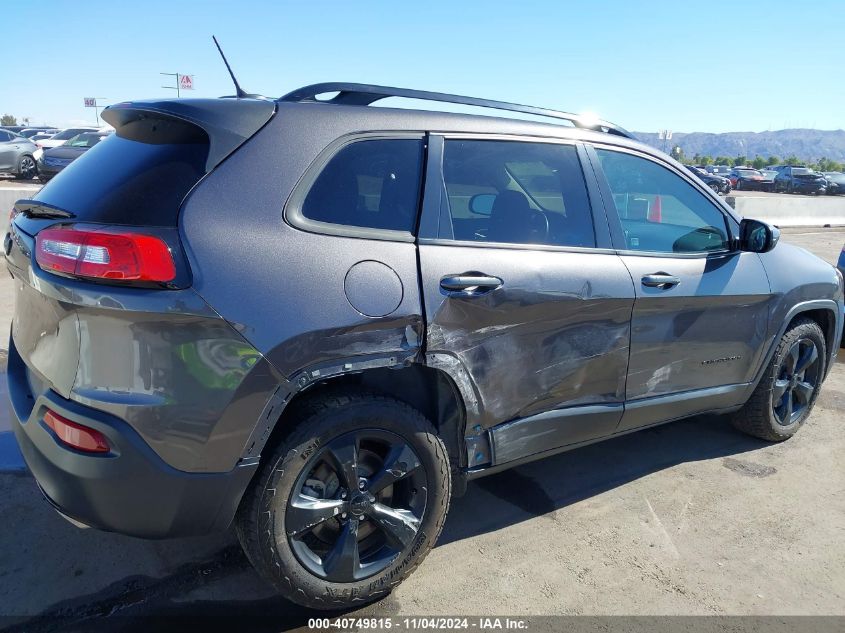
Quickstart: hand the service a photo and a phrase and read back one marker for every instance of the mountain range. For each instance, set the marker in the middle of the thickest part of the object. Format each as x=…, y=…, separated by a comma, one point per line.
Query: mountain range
x=806, y=144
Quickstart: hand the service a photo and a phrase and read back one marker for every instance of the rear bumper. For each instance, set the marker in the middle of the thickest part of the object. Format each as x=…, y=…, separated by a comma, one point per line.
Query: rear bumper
x=130, y=490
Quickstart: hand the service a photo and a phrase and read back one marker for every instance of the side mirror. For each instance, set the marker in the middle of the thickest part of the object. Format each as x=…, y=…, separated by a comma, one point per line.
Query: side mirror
x=482, y=203
x=757, y=237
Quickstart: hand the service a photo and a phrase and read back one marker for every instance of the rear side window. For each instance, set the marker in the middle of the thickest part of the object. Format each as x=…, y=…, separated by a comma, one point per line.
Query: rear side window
x=372, y=184
x=138, y=175
x=516, y=192
x=659, y=211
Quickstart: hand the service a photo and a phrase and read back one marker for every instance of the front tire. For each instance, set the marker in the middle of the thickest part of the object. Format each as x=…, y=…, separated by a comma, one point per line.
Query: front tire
x=788, y=389
x=349, y=503
x=27, y=169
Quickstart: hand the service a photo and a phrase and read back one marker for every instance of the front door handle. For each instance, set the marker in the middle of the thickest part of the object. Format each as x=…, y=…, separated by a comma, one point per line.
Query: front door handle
x=470, y=283
x=660, y=280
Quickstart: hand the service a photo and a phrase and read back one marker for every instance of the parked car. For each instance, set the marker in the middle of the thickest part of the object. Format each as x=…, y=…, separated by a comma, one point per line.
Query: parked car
x=13, y=128
x=841, y=267
x=748, y=178
x=835, y=182
x=768, y=178
x=16, y=155
x=716, y=183
x=799, y=179
x=304, y=335
x=32, y=131
x=719, y=170
x=57, y=158
x=66, y=134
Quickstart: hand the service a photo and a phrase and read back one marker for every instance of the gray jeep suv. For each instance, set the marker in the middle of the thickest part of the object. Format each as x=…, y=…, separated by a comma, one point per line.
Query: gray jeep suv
x=319, y=319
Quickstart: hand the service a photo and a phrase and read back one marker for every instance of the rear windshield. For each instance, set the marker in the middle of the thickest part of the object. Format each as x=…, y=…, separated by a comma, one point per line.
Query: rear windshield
x=139, y=175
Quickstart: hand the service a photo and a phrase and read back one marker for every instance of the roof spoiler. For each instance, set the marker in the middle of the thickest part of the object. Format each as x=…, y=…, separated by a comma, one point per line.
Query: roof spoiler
x=226, y=122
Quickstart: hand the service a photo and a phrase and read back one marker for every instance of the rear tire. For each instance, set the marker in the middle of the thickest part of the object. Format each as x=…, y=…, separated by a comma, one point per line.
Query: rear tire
x=788, y=389
x=328, y=543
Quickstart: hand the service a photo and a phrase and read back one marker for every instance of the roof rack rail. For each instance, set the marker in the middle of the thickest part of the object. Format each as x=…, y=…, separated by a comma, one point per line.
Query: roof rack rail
x=366, y=94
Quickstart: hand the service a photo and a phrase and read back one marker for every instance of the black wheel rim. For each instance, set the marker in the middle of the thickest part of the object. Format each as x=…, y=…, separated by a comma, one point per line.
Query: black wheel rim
x=27, y=167
x=796, y=382
x=356, y=506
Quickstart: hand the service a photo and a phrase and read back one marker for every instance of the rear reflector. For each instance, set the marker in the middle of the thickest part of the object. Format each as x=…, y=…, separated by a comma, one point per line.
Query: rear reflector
x=104, y=255
x=75, y=435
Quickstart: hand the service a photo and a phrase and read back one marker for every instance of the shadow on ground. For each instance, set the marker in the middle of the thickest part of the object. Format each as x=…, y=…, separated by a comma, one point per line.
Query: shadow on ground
x=211, y=579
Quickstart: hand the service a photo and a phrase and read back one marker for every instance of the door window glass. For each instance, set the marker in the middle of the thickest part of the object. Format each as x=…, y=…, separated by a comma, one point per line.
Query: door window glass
x=517, y=192
x=660, y=211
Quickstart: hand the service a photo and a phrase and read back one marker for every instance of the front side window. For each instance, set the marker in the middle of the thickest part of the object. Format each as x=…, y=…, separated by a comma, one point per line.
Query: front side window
x=517, y=192
x=370, y=184
x=660, y=211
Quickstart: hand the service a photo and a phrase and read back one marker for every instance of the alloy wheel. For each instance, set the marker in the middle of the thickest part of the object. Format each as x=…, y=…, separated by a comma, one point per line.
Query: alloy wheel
x=27, y=168
x=798, y=377
x=356, y=506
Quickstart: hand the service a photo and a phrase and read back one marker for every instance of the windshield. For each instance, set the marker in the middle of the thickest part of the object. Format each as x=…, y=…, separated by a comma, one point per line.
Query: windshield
x=748, y=172
x=86, y=139
x=801, y=171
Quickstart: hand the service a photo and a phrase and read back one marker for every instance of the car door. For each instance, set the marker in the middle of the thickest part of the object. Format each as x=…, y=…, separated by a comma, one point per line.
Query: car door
x=700, y=318
x=525, y=301
x=8, y=152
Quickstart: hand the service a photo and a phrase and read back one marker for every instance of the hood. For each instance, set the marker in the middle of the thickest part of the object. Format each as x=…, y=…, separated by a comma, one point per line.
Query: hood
x=65, y=152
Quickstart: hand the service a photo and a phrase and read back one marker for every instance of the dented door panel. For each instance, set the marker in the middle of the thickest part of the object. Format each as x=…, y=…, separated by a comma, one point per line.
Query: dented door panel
x=554, y=334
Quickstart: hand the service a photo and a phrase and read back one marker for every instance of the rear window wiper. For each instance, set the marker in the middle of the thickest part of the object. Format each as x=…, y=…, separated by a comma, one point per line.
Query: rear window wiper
x=36, y=209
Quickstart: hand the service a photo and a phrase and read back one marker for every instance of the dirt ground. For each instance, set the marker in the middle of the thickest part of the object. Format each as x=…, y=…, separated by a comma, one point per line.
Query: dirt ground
x=689, y=518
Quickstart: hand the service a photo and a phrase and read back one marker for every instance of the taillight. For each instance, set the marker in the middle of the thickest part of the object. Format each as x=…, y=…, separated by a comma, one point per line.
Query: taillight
x=104, y=255
x=75, y=435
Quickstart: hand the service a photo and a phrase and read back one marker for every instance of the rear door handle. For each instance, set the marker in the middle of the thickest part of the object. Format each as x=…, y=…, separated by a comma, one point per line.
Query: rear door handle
x=660, y=280
x=470, y=283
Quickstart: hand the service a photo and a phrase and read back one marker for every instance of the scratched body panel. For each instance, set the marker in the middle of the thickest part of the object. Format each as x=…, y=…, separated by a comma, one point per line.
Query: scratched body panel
x=555, y=334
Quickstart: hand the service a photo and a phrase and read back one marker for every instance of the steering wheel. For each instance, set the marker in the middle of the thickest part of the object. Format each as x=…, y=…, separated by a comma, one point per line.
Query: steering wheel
x=539, y=224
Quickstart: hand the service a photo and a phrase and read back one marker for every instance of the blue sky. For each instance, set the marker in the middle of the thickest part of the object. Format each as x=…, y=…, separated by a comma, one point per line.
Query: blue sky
x=706, y=65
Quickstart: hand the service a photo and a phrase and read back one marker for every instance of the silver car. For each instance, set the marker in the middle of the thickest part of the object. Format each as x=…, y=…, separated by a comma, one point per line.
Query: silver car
x=16, y=156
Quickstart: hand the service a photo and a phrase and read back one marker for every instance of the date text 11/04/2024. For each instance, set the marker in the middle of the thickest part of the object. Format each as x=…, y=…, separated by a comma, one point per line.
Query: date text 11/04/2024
x=418, y=623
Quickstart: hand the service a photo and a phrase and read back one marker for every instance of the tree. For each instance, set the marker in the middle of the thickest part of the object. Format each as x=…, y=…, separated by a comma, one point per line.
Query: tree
x=8, y=119
x=705, y=160
x=677, y=153
x=772, y=160
x=724, y=160
x=792, y=160
x=759, y=162
x=740, y=161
